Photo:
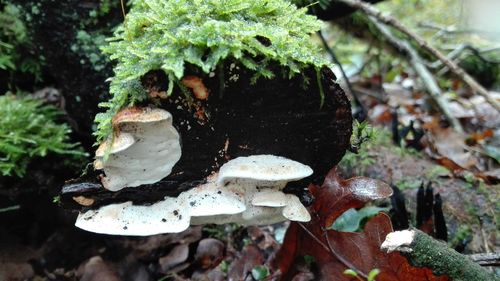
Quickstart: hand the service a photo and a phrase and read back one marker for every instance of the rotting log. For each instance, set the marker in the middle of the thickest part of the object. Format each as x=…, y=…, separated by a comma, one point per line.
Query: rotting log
x=279, y=116
x=422, y=250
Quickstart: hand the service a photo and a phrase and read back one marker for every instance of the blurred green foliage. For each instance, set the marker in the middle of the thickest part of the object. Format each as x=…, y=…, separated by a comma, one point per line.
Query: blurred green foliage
x=15, y=44
x=28, y=129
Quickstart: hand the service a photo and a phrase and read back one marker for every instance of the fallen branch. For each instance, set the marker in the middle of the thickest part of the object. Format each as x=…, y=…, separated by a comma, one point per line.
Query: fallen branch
x=454, y=54
x=457, y=70
x=486, y=259
x=422, y=250
x=450, y=30
x=362, y=112
x=422, y=71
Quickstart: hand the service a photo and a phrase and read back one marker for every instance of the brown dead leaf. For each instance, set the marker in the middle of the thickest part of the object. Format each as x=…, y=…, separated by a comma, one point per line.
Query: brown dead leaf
x=173, y=261
x=249, y=258
x=96, y=269
x=209, y=253
x=381, y=113
x=449, y=149
x=336, y=251
x=16, y=271
x=142, y=248
x=264, y=240
x=474, y=138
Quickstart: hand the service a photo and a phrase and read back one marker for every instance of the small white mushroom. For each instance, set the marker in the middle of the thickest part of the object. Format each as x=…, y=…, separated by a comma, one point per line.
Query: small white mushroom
x=295, y=211
x=120, y=142
x=247, y=191
x=145, y=148
x=270, y=198
x=260, y=178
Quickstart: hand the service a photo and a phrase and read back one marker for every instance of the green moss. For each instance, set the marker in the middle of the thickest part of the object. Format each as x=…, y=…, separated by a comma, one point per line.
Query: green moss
x=12, y=33
x=28, y=130
x=17, y=51
x=167, y=35
x=409, y=183
x=16, y=48
x=362, y=140
x=87, y=44
x=428, y=252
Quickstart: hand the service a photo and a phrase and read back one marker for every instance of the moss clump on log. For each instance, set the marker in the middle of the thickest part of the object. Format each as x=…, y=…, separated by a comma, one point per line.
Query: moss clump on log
x=168, y=35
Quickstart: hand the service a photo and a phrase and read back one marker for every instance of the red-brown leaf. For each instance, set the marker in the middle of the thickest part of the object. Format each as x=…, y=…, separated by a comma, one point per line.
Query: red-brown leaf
x=336, y=251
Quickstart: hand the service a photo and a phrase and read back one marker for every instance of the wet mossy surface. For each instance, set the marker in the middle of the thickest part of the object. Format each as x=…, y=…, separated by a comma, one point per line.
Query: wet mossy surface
x=428, y=252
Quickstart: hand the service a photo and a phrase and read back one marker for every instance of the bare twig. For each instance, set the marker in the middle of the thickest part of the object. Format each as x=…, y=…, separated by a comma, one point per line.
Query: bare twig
x=452, y=30
x=486, y=259
x=455, y=53
x=363, y=112
x=422, y=71
x=458, y=71
x=123, y=8
x=330, y=249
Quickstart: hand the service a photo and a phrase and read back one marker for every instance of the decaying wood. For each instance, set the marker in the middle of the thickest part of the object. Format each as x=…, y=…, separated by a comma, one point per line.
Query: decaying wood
x=422, y=250
x=454, y=68
x=279, y=116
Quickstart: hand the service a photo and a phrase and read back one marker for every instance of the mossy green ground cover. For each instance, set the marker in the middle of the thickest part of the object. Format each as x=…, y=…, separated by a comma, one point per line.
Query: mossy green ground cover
x=28, y=130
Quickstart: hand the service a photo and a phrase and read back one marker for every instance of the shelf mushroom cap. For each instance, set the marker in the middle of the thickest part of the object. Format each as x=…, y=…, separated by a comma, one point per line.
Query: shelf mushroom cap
x=234, y=195
x=144, y=149
x=265, y=168
x=128, y=219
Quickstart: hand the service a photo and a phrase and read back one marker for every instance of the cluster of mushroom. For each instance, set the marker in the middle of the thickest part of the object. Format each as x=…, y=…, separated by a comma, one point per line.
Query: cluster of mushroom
x=145, y=148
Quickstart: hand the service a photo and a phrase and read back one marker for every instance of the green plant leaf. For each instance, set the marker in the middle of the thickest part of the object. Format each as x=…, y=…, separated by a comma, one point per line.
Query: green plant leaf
x=350, y=220
x=260, y=272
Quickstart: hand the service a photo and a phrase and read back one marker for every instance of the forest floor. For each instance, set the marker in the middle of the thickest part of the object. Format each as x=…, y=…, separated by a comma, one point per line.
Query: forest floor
x=39, y=241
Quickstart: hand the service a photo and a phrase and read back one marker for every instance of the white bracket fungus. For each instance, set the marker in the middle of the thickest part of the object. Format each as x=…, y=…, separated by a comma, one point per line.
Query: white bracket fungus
x=144, y=150
x=247, y=190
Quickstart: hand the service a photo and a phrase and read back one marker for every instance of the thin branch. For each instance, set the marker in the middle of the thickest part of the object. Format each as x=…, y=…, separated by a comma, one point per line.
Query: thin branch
x=422, y=71
x=357, y=101
x=452, y=30
x=330, y=249
x=486, y=259
x=458, y=71
x=422, y=250
x=123, y=8
x=455, y=53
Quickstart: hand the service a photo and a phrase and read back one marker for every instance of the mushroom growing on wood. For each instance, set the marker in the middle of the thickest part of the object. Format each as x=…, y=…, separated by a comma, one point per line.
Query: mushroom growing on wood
x=261, y=178
x=247, y=190
x=143, y=150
